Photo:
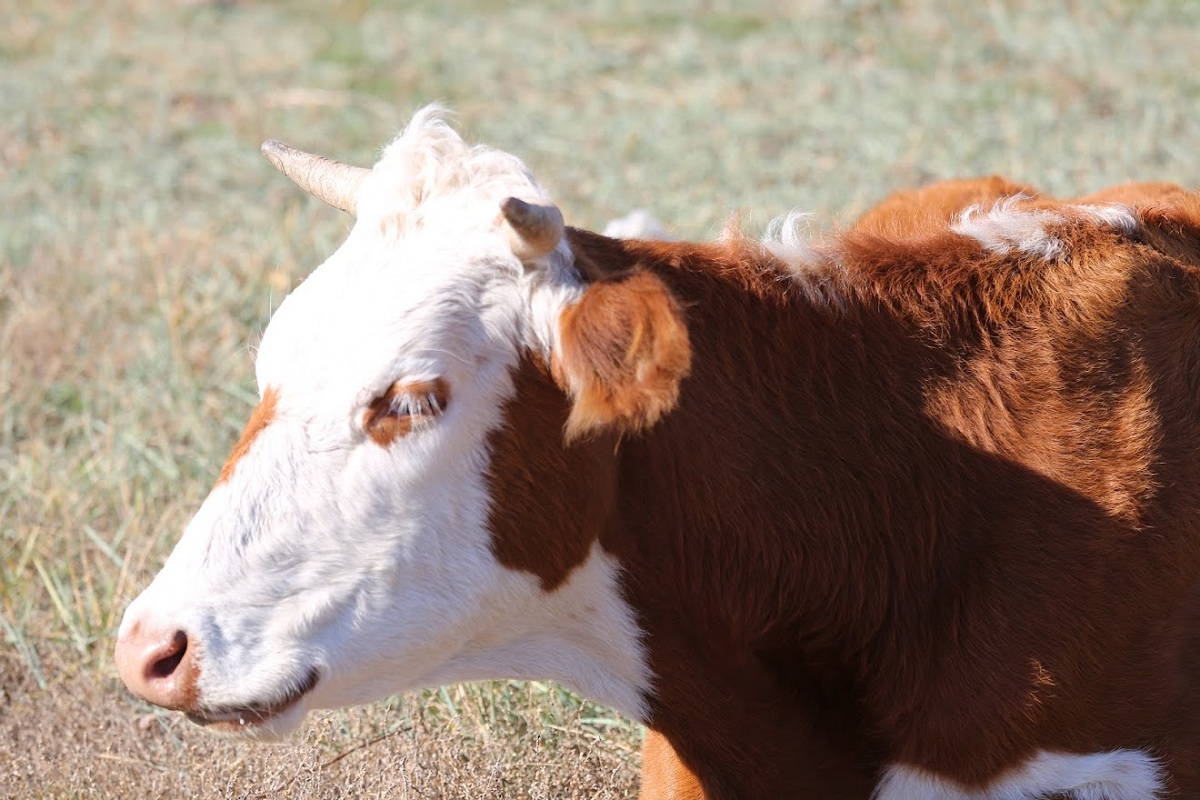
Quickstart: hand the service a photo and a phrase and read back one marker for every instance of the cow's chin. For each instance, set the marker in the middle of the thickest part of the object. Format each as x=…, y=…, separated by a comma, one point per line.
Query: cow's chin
x=264, y=722
x=248, y=726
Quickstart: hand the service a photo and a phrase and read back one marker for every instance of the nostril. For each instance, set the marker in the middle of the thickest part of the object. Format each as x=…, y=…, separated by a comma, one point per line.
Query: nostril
x=170, y=659
x=159, y=664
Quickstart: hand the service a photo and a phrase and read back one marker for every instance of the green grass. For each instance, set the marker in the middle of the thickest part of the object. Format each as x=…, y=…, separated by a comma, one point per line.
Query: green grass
x=144, y=242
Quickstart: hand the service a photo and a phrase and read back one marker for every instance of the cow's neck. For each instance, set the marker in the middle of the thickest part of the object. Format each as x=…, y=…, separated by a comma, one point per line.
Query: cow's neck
x=786, y=457
x=755, y=520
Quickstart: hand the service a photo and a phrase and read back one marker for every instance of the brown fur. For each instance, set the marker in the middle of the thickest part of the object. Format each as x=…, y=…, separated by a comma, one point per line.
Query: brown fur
x=910, y=211
x=1169, y=215
x=664, y=776
x=945, y=522
x=263, y=415
x=1149, y=193
x=546, y=511
x=624, y=351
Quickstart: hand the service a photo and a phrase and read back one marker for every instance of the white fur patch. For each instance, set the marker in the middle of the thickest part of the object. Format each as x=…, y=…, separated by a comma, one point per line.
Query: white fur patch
x=789, y=238
x=1117, y=775
x=813, y=264
x=1114, y=216
x=583, y=634
x=637, y=224
x=1005, y=228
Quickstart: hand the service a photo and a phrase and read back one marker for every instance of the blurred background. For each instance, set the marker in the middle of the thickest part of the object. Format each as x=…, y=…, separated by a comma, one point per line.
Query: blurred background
x=144, y=242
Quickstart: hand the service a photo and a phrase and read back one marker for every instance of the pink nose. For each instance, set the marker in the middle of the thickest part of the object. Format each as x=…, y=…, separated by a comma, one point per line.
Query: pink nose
x=159, y=666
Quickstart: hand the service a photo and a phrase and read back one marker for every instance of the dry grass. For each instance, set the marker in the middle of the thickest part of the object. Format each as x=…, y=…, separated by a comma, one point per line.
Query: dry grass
x=143, y=243
x=531, y=741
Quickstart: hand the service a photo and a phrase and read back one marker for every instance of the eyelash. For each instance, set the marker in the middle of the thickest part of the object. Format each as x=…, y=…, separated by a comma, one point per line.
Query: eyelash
x=426, y=405
x=404, y=407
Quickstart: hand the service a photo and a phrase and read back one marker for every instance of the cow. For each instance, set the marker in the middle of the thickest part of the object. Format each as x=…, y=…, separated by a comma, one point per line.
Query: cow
x=893, y=512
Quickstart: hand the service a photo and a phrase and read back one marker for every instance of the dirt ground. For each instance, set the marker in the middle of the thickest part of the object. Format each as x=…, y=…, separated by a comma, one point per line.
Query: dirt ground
x=85, y=737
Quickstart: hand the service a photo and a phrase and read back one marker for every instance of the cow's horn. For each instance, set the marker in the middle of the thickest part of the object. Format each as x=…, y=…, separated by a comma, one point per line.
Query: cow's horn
x=533, y=230
x=335, y=183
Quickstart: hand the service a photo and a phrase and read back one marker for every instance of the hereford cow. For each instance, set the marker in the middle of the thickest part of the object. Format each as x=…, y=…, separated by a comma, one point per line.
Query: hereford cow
x=906, y=514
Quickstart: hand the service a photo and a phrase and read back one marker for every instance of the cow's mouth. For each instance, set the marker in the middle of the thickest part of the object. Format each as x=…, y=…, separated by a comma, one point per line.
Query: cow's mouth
x=242, y=719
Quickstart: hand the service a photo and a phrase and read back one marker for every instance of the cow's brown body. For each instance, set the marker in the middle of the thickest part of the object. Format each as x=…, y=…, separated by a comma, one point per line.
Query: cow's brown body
x=945, y=515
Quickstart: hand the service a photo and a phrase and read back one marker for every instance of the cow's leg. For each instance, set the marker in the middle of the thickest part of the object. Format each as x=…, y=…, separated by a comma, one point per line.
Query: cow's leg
x=727, y=725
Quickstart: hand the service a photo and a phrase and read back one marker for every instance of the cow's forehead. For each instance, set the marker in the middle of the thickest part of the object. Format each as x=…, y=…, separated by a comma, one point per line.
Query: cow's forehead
x=426, y=273
x=379, y=310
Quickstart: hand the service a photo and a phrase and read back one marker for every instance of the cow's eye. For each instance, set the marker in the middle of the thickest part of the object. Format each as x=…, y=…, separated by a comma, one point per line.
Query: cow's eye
x=407, y=405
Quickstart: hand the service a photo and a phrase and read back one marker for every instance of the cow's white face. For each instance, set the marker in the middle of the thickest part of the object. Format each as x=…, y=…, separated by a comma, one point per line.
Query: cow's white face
x=346, y=552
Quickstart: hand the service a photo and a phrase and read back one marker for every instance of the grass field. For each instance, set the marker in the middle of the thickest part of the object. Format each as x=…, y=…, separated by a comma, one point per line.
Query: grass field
x=144, y=242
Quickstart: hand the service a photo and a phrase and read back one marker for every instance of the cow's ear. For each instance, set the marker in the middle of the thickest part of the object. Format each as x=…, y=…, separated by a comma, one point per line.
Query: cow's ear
x=622, y=352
